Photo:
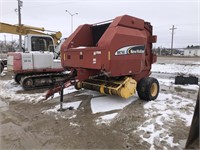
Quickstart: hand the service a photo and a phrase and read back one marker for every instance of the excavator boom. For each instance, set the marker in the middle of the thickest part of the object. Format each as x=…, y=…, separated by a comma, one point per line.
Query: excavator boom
x=24, y=30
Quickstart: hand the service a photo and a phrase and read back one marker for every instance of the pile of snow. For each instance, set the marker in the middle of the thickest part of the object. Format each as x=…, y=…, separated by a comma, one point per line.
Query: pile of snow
x=177, y=69
x=164, y=110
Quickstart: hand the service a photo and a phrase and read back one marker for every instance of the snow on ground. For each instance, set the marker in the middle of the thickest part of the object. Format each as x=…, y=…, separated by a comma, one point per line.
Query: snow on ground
x=9, y=89
x=73, y=105
x=14, y=88
x=65, y=91
x=89, y=92
x=106, y=119
x=108, y=103
x=164, y=110
x=170, y=82
x=74, y=124
x=177, y=69
x=3, y=72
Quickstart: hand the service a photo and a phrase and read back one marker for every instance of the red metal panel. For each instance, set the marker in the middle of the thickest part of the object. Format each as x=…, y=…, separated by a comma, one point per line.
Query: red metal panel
x=122, y=32
x=17, y=61
x=128, y=21
x=90, y=58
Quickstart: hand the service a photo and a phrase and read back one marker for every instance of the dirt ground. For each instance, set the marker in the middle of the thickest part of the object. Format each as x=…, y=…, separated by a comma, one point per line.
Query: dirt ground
x=24, y=125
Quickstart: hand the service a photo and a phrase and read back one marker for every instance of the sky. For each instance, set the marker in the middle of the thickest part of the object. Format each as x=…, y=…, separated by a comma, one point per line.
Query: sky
x=51, y=14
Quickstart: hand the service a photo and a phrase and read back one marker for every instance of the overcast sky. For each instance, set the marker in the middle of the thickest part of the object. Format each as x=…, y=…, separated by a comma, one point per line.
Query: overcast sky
x=50, y=14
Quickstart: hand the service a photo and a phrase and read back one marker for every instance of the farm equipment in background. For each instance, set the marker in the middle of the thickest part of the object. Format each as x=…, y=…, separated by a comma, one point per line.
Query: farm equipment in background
x=39, y=65
x=112, y=57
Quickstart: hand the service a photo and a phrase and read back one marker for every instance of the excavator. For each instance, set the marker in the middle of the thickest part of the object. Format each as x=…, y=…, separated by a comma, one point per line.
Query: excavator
x=38, y=66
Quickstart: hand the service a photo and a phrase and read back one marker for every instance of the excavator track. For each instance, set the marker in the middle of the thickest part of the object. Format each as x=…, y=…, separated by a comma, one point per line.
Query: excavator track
x=42, y=80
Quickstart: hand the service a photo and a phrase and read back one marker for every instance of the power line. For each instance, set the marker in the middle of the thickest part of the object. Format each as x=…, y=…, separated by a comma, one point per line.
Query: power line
x=172, y=40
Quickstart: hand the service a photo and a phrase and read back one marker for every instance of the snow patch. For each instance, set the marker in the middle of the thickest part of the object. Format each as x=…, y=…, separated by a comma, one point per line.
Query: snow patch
x=166, y=82
x=68, y=90
x=74, y=124
x=13, y=95
x=106, y=119
x=108, y=103
x=89, y=92
x=177, y=69
x=188, y=87
x=170, y=105
x=165, y=109
x=75, y=105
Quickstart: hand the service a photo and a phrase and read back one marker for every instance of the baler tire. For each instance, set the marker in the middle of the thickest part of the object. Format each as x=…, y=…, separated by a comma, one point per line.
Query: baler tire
x=148, y=88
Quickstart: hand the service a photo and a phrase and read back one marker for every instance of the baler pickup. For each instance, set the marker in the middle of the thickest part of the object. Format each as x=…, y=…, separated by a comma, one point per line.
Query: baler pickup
x=123, y=88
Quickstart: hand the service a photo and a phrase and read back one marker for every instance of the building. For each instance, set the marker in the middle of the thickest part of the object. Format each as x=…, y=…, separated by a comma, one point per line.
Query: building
x=192, y=51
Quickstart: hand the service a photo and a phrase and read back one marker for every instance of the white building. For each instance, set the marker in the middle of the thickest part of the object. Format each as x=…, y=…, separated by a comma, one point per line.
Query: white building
x=192, y=52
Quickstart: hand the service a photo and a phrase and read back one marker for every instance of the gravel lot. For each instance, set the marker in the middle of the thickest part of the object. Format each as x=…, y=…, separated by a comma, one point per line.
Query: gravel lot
x=95, y=121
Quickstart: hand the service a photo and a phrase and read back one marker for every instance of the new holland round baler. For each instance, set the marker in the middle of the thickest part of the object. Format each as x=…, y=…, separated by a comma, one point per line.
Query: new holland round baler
x=113, y=57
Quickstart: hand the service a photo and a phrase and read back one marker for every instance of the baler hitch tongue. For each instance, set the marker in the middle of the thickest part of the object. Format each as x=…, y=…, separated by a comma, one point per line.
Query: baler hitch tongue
x=57, y=88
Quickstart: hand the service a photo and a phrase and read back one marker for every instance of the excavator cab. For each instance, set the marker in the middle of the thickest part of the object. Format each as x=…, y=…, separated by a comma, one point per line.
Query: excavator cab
x=39, y=43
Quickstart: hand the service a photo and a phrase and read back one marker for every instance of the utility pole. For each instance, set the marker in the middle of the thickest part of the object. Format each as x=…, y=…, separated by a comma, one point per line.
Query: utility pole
x=20, y=3
x=71, y=19
x=172, y=40
x=5, y=43
x=12, y=43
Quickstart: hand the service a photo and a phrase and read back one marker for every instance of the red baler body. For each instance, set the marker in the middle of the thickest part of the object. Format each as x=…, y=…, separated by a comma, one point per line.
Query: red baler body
x=120, y=48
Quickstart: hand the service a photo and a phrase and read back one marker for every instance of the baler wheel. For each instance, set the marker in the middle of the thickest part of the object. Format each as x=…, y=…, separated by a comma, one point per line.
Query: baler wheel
x=148, y=88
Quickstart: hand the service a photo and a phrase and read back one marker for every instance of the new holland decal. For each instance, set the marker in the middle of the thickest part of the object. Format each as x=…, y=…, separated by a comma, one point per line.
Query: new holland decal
x=135, y=49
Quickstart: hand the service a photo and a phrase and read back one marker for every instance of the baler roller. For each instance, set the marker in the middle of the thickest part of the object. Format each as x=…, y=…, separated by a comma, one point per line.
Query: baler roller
x=123, y=88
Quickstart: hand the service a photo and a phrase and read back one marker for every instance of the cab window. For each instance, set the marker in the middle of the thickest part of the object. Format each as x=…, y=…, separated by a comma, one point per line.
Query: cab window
x=41, y=44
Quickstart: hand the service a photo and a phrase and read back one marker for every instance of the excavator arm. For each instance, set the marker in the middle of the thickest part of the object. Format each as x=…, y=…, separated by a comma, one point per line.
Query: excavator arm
x=24, y=30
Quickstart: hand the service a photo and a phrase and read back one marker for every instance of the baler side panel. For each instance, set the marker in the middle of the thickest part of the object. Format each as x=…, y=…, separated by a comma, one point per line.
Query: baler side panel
x=132, y=63
x=90, y=58
x=81, y=37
